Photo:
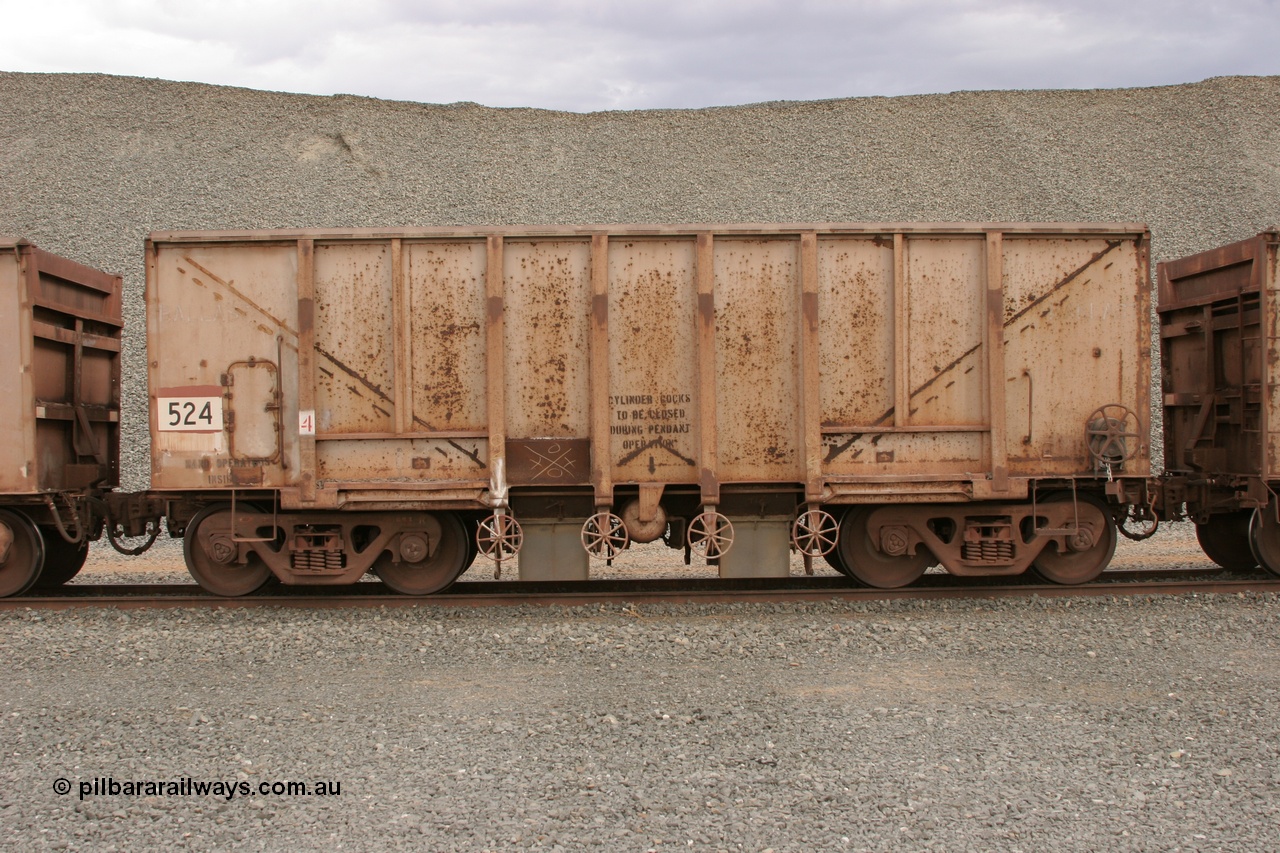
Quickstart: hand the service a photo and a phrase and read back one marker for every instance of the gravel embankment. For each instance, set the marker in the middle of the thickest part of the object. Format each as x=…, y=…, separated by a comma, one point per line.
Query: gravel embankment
x=1018, y=725
x=91, y=164
x=1139, y=724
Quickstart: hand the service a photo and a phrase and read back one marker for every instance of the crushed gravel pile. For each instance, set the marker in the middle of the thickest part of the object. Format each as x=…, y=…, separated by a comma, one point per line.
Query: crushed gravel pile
x=91, y=164
x=1017, y=725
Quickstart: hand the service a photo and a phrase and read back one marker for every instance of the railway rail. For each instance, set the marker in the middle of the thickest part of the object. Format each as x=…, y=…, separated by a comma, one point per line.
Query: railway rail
x=684, y=591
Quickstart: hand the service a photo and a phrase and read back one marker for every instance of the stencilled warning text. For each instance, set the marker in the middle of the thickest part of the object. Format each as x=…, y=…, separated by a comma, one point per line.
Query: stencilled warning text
x=644, y=417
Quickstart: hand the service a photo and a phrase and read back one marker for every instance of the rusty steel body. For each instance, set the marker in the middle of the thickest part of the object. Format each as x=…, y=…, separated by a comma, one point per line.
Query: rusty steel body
x=60, y=326
x=60, y=346
x=560, y=370
x=1218, y=323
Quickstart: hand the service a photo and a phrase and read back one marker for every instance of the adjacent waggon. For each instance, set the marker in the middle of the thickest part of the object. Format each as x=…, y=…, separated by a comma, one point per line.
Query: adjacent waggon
x=60, y=327
x=889, y=397
x=1219, y=318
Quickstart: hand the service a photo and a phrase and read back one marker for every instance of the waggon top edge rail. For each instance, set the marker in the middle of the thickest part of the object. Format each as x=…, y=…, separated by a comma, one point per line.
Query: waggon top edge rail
x=655, y=229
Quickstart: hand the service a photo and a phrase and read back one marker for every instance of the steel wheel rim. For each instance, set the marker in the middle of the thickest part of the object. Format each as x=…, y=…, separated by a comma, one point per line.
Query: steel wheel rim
x=229, y=580
x=1225, y=539
x=1264, y=539
x=25, y=560
x=433, y=573
x=833, y=557
x=472, y=529
x=1077, y=567
x=870, y=566
x=63, y=560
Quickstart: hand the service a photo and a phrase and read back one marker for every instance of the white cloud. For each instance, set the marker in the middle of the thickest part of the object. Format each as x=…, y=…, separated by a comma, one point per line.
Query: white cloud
x=569, y=54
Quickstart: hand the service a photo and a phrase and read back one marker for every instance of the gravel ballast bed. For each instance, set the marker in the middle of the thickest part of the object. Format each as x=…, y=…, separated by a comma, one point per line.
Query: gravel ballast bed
x=1140, y=724
x=1068, y=724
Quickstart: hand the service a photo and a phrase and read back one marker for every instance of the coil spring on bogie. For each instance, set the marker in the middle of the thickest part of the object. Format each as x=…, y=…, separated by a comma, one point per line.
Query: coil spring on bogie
x=988, y=551
x=319, y=561
x=988, y=541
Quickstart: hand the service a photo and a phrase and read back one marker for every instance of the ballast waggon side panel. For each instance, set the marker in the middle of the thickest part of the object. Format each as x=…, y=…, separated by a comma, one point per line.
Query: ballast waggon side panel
x=60, y=325
x=438, y=367
x=1218, y=327
x=1217, y=312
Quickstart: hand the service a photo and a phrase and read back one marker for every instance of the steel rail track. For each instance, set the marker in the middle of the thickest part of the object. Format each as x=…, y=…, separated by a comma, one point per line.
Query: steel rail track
x=714, y=590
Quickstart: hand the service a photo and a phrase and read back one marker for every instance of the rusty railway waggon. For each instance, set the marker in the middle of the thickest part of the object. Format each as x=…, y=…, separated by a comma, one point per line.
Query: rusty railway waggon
x=1218, y=329
x=60, y=328
x=889, y=397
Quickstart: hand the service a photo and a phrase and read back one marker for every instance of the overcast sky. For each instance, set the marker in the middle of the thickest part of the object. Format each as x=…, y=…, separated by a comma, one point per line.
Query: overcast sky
x=583, y=56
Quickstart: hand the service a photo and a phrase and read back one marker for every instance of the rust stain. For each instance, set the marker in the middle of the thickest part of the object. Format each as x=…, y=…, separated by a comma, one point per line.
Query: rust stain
x=307, y=314
x=243, y=297
x=1111, y=246
x=356, y=376
x=473, y=455
x=837, y=449
x=248, y=475
x=448, y=391
x=706, y=307
x=306, y=321
x=809, y=307
x=708, y=482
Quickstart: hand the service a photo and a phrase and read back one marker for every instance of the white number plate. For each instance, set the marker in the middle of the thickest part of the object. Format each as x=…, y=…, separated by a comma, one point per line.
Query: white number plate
x=189, y=414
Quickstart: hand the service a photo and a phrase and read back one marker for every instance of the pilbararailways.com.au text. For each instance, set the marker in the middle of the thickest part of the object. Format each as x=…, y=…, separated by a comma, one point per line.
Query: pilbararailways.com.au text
x=187, y=787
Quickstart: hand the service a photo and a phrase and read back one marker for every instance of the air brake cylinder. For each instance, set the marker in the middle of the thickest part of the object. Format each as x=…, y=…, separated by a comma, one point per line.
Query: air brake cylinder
x=642, y=529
